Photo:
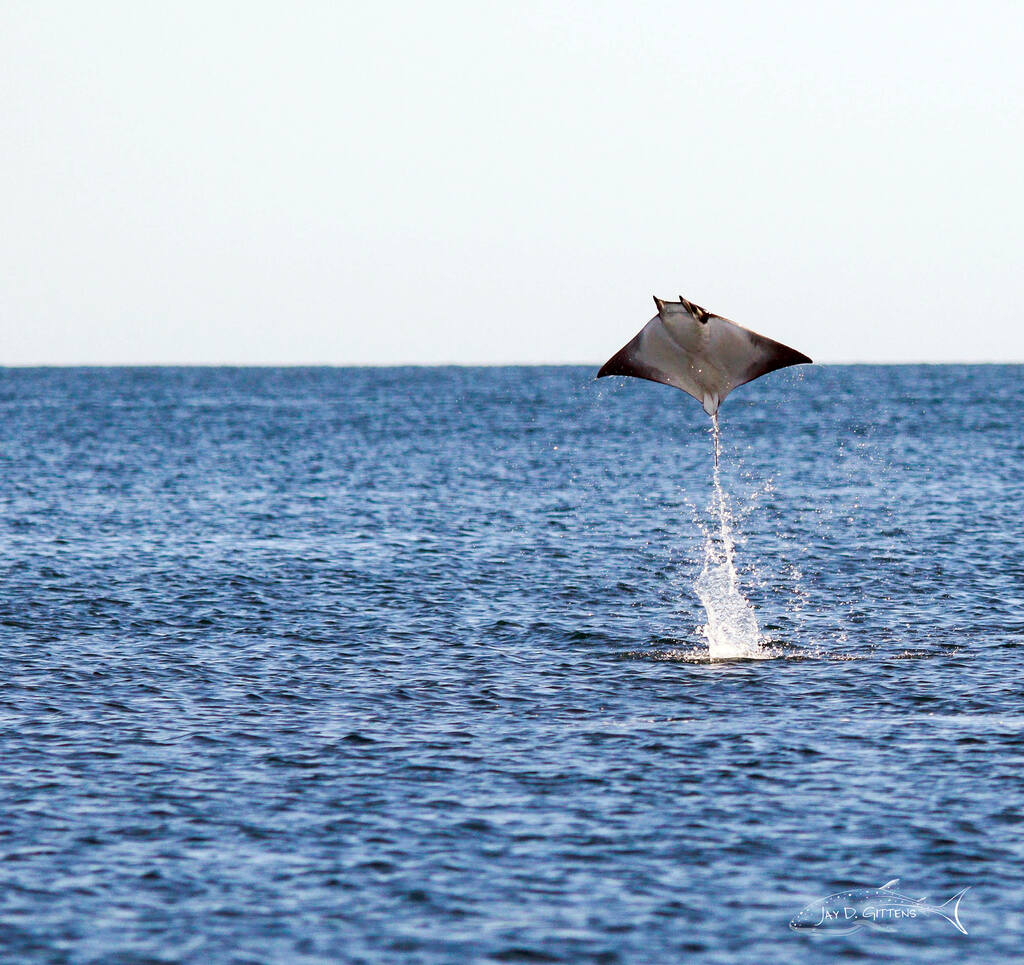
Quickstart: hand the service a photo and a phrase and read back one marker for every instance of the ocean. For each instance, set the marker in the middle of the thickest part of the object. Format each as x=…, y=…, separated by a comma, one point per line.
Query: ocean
x=414, y=665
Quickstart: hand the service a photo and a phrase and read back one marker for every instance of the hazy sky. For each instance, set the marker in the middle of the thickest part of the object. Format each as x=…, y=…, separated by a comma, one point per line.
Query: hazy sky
x=506, y=182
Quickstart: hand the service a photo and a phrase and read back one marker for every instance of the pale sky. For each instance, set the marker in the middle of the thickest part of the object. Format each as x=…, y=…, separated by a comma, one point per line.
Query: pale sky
x=382, y=182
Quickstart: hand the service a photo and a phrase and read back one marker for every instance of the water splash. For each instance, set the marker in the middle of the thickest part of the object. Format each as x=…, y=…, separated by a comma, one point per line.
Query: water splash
x=731, y=631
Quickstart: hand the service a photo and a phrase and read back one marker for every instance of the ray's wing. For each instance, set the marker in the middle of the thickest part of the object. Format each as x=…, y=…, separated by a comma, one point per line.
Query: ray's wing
x=744, y=355
x=655, y=354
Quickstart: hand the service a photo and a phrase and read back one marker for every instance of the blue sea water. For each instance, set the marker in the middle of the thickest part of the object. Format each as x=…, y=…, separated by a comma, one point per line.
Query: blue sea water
x=407, y=665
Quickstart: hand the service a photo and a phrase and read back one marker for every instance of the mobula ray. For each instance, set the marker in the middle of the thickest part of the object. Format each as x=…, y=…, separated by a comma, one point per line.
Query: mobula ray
x=703, y=354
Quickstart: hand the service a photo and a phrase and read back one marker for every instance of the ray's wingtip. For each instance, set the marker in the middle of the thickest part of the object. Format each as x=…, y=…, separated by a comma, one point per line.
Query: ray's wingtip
x=609, y=367
x=798, y=358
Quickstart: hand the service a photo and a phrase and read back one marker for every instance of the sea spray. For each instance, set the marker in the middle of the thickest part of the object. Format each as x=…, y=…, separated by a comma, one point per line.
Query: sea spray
x=731, y=630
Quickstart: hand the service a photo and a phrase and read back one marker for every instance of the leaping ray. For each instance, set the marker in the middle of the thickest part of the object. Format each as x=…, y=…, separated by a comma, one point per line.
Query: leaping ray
x=705, y=355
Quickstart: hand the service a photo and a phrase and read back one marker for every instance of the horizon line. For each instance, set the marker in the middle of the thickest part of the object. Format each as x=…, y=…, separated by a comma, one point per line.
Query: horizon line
x=428, y=365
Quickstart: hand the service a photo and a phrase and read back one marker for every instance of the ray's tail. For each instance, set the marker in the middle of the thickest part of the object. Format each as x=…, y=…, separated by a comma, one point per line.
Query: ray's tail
x=718, y=442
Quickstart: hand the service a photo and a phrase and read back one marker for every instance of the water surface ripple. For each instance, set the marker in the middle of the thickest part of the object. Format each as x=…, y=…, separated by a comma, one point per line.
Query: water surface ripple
x=405, y=665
